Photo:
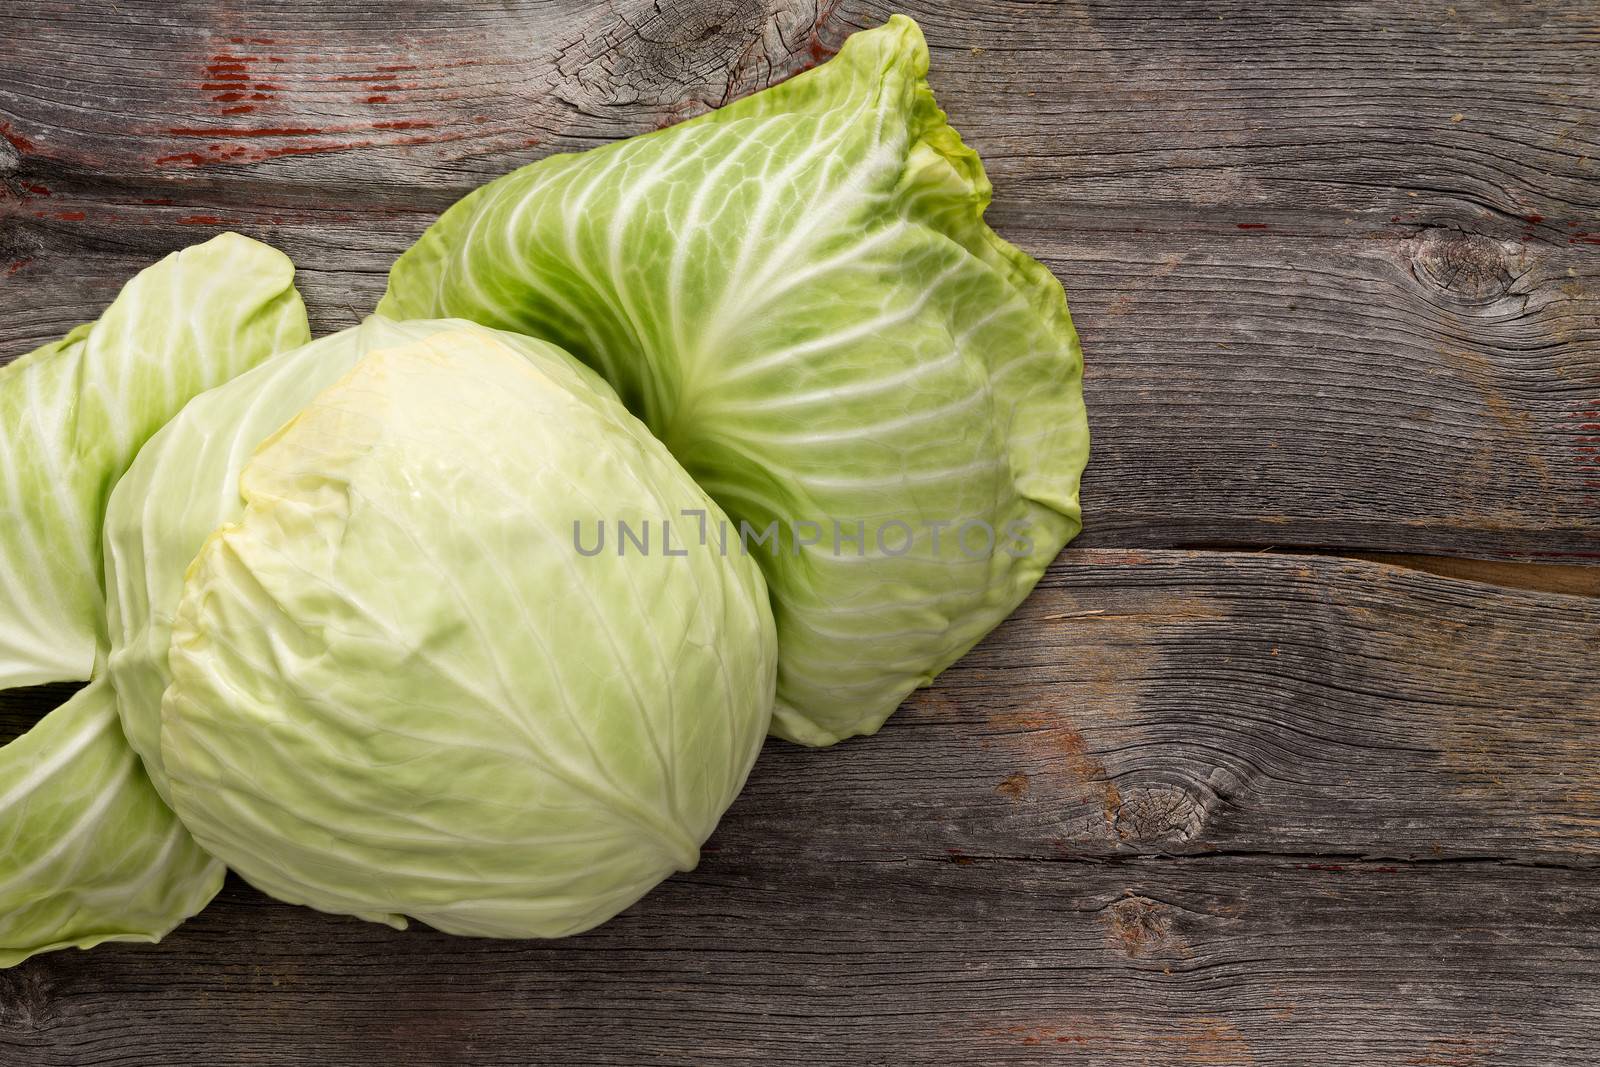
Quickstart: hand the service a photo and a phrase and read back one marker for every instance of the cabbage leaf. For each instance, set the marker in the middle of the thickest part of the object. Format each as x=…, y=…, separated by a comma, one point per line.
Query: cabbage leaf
x=88, y=852
x=799, y=295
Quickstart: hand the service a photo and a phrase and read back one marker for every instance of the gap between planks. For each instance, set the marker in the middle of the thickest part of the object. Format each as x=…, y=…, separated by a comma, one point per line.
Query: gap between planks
x=1568, y=579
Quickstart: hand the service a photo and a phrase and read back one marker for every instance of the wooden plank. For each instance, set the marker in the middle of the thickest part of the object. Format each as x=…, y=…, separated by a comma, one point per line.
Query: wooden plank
x=1398, y=390
x=1253, y=112
x=1189, y=703
x=787, y=960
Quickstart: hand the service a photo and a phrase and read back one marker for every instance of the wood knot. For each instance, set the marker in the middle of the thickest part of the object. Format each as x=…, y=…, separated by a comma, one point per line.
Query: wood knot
x=677, y=56
x=1142, y=928
x=1470, y=267
x=1162, y=814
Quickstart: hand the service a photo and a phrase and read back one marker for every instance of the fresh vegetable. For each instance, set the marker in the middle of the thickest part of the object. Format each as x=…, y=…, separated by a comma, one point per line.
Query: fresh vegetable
x=799, y=296
x=347, y=610
x=88, y=852
x=396, y=686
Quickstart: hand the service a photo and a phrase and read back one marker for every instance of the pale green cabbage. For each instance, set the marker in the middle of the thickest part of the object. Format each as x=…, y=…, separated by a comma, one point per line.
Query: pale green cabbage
x=800, y=297
x=331, y=599
x=397, y=688
x=88, y=852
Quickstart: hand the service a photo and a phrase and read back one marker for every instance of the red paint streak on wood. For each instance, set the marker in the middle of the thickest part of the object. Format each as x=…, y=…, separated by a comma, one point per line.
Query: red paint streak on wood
x=19, y=142
x=70, y=216
x=260, y=96
x=242, y=109
x=265, y=131
x=16, y=265
x=36, y=189
x=267, y=87
x=1533, y=220
x=200, y=220
x=311, y=149
x=1252, y=225
x=1036, y=1035
x=386, y=70
x=228, y=98
x=192, y=158
x=377, y=99
x=404, y=124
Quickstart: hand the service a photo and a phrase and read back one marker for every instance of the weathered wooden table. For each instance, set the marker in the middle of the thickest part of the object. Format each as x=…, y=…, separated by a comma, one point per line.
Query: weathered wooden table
x=1292, y=757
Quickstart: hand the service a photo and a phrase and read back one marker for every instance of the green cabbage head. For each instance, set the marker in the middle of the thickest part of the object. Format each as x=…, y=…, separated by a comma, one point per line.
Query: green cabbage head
x=799, y=295
x=355, y=640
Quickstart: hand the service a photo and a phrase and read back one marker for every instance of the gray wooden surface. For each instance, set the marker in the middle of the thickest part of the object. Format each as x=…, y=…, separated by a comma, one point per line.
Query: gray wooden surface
x=1292, y=759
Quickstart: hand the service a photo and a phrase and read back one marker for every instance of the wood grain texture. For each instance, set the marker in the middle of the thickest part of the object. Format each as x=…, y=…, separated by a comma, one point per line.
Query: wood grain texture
x=1179, y=703
x=1185, y=807
x=1301, y=110
x=875, y=962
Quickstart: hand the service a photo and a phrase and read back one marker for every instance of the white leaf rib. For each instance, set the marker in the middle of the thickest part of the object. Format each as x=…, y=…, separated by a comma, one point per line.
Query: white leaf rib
x=63, y=753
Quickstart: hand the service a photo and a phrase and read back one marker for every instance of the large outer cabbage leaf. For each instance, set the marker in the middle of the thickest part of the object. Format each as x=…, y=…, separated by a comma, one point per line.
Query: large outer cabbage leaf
x=800, y=297
x=398, y=688
x=88, y=852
